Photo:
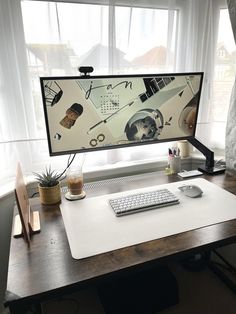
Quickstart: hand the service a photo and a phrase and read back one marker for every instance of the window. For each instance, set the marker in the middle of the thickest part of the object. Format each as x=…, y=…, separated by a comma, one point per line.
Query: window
x=46, y=38
x=62, y=36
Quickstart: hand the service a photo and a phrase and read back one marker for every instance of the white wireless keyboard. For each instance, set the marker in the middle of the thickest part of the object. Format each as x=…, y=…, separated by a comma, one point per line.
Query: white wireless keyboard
x=144, y=201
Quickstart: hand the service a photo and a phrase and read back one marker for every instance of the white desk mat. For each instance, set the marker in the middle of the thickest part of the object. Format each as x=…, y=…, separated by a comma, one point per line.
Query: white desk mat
x=92, y=227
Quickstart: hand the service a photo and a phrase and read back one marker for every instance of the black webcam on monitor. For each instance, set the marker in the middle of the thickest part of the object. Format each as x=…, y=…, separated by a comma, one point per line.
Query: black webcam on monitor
x=85, y=70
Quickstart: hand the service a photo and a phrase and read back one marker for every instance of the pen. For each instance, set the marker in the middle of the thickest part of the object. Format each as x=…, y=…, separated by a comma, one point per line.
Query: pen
x=170, y=152
x=174, y=152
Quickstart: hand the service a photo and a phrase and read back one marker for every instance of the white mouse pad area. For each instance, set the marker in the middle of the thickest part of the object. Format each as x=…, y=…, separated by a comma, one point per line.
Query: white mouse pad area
x=92, y=227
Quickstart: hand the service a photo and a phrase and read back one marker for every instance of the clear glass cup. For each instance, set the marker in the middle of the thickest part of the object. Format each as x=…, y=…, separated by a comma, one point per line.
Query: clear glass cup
x=75, y=181
x=174, y=164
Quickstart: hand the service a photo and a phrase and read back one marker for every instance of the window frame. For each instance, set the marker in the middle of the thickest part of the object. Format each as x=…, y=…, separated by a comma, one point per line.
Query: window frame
x=33, y=159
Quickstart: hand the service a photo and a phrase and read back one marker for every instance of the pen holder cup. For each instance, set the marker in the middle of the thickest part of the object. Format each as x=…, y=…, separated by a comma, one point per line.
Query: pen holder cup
x=174, y=163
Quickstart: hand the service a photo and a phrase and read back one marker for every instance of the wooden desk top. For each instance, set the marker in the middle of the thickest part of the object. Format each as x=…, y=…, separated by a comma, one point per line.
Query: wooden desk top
x=47, y=266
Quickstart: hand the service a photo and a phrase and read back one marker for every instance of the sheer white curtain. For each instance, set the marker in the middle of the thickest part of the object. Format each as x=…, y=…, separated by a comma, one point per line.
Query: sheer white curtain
x=40, y=38
x=15, y=93
x=15, y=122
x=231, y=128
x=197, y=53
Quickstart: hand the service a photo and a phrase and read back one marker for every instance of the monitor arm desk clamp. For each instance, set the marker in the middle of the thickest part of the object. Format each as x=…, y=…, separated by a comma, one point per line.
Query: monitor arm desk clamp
x=209, y=167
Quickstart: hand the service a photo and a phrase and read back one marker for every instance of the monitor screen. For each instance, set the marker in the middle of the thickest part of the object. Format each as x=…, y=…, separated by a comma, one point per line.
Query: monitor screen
x=87, y=113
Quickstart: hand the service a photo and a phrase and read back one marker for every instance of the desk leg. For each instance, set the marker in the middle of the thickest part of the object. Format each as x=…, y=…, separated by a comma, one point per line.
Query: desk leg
x=16, y=308
x=222, y=269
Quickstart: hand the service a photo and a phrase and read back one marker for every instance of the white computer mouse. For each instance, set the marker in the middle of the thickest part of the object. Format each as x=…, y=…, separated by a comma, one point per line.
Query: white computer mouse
x=191, y=190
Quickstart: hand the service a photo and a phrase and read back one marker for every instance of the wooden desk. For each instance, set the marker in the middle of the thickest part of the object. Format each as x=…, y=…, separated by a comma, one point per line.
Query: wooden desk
x=47, y=268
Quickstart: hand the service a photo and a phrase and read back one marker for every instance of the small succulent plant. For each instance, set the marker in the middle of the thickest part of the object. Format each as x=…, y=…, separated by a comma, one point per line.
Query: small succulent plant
x=48, y=178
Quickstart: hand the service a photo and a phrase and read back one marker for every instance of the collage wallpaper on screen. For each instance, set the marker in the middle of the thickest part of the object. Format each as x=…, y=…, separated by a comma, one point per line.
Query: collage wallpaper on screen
x=94, y=112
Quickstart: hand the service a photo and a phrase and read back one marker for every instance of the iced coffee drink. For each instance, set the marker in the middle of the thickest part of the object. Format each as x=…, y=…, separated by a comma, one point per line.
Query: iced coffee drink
x=75, y=185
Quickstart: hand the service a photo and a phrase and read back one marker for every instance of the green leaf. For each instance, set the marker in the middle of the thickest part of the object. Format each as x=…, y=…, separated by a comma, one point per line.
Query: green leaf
x=48, y=178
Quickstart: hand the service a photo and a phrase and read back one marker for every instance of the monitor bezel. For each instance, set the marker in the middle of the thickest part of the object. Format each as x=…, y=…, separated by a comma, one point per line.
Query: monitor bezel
x=132, y=144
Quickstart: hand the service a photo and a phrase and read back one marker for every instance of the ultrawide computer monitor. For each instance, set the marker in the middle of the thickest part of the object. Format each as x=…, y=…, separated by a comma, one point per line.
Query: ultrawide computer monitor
x=87, y=113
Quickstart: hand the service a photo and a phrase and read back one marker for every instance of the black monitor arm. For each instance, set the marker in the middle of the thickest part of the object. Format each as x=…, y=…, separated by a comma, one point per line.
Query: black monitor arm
x=205, y=151
x=209, y=167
